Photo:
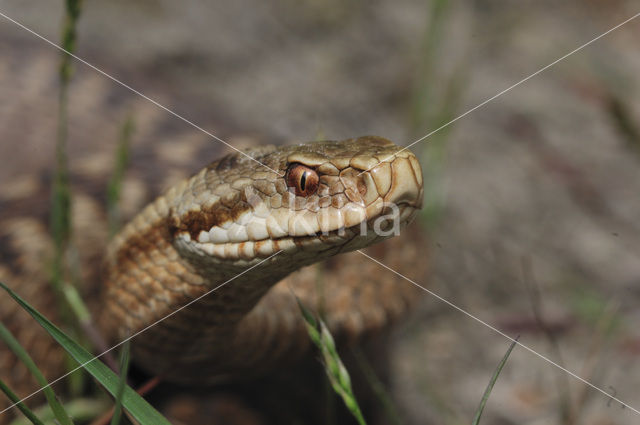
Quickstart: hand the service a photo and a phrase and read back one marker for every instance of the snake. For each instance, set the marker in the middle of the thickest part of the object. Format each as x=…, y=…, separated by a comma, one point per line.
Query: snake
x=206, y=274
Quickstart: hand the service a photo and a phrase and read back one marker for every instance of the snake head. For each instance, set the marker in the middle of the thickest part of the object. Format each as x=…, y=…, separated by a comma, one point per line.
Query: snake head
x=317, y=198
x=286, y=207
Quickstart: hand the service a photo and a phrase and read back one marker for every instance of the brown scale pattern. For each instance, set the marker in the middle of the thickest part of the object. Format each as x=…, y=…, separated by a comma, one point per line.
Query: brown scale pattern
x=357, y=297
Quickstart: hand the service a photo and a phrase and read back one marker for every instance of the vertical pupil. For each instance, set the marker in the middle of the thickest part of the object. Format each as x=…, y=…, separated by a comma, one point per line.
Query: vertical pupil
x=303, y=181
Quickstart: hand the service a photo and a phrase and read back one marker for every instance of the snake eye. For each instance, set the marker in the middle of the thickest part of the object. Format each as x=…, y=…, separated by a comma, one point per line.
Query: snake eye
x=302, y=179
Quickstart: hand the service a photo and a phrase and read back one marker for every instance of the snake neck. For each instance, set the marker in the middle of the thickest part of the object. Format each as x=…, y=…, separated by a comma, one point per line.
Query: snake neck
x=148, y=277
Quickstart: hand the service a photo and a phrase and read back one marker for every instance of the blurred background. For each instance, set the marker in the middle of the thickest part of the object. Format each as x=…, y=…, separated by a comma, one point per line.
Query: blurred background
x=532, y=201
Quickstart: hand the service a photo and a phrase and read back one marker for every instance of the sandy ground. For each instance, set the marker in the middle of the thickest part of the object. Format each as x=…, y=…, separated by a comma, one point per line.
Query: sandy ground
x=533, y=199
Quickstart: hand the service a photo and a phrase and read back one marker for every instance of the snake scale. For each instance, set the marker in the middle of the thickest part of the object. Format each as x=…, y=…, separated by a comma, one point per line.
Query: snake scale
x=235, y=216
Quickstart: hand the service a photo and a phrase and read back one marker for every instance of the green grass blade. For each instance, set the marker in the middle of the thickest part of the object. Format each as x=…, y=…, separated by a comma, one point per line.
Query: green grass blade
x=139, y=408
x=23, y=408
x=61, y=192
x=69, y=37
x=75, y=302
x=124, y=371
x=336, y=372
x=114, y=187
x=82, y=410
x=492, y=382
x=25, y=358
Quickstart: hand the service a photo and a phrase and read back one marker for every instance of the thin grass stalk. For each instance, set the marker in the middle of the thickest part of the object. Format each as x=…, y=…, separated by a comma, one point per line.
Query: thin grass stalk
x=333, y=366
x=25, y=358
x=64, y=269
x=423, y=95
x=28, y=413
x=431, y=107
x=114, y=187
x=564, y=388
x=492, y=382
x=61, y=196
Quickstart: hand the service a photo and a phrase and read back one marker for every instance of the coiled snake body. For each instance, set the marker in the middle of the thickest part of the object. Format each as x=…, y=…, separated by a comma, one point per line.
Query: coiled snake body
x=236, y=219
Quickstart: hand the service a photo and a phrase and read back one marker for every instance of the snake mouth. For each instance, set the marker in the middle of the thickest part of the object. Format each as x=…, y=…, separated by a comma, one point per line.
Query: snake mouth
x=388, y=222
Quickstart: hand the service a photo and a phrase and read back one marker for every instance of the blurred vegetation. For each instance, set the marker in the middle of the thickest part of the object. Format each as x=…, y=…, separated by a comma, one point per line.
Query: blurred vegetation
x=435, y=102
x=114, y=187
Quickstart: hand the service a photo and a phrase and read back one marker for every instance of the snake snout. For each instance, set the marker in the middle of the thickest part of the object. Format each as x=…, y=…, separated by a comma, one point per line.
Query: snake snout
x=399, y=181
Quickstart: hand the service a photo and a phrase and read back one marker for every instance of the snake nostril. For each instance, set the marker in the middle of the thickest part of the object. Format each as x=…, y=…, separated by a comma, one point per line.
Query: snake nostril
x=362, y=188
x=371, y=192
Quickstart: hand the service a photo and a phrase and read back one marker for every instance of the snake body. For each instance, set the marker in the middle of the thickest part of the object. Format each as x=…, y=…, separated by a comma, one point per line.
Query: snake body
x=244, y=227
